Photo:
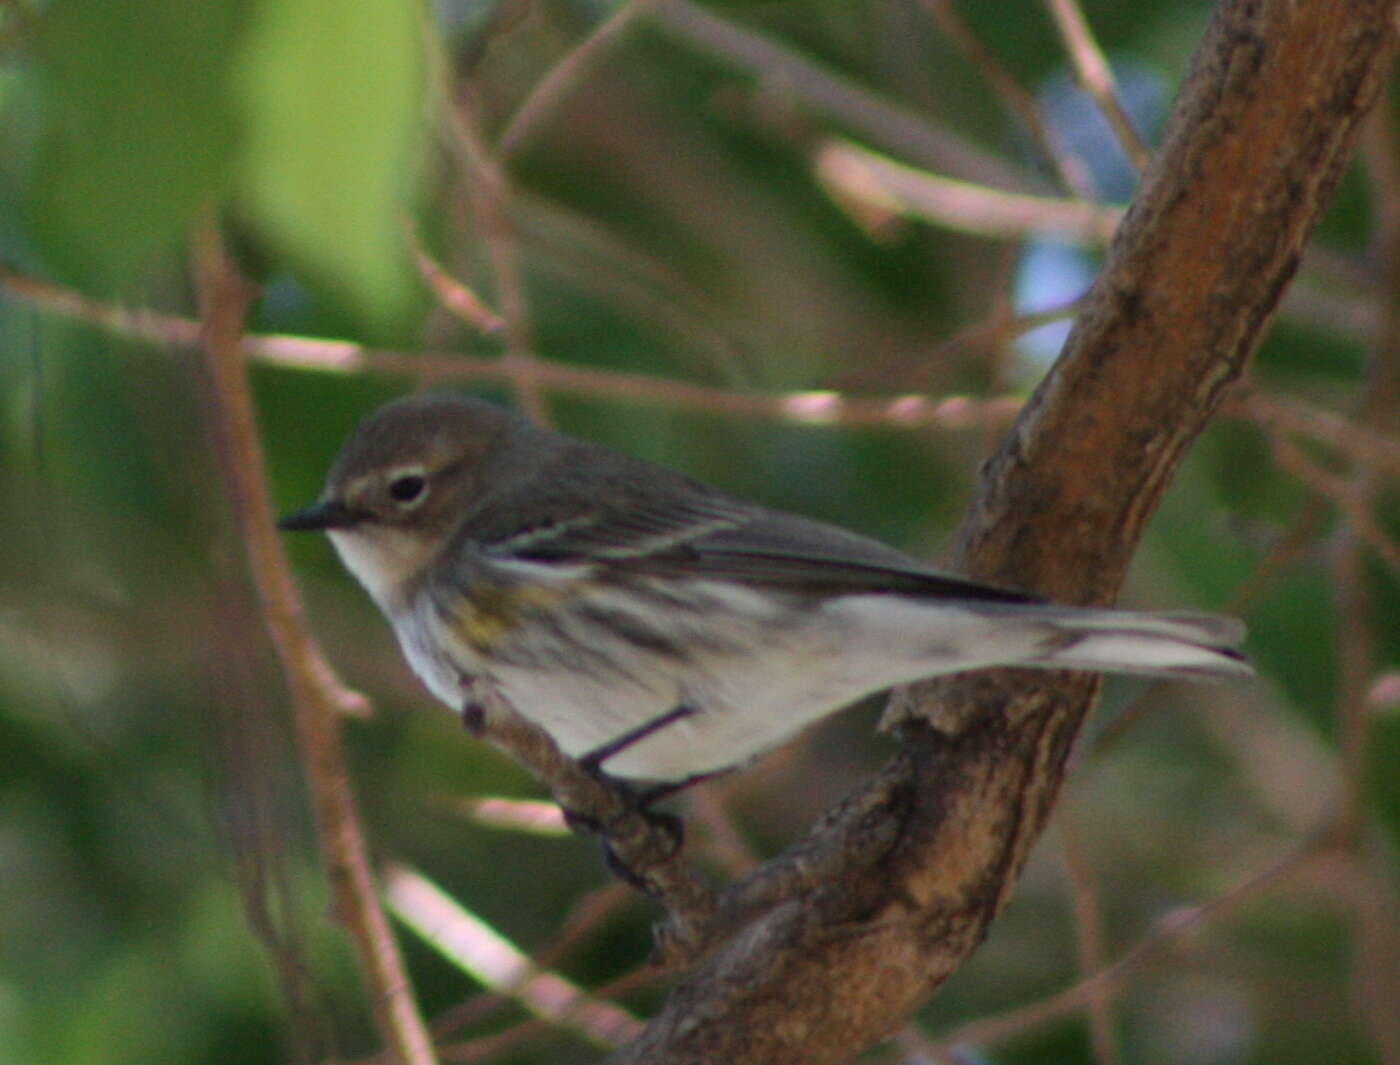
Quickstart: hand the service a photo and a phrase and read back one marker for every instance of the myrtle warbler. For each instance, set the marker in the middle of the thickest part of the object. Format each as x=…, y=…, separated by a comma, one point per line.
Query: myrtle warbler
x=663, y=627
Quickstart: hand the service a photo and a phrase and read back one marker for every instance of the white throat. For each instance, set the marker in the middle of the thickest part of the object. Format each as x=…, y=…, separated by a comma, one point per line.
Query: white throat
x=384, y=560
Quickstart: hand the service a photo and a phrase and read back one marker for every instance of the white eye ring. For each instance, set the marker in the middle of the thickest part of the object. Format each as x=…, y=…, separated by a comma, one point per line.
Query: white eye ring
x=408, y=488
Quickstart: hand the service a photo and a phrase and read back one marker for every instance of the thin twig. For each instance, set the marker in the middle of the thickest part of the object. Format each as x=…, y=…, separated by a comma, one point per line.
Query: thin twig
x=474, y=946
x=565, y=75
x=488, y=191
x=895, y=128
x=492, y=1047
x=602, y=262
x=1017, y=100
x=1378, y=406
x=1295, y=541
x=1374, y=980
x=823, y=408
x=1096, y=77
x=812, y=407
x=1293, y=544
x=224, y=299
x=1356, y=663
x=960, y=205
x=724, y=842
x=1089, y=937
x=1359, y=441
x=1376, y=976
x=490, y=201
x=587, y=914
x=450, y=292
x=1353, y=505
x=1111, y=980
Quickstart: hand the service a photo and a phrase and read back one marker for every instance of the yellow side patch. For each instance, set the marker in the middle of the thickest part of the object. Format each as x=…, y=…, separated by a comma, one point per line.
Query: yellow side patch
x=485, y=619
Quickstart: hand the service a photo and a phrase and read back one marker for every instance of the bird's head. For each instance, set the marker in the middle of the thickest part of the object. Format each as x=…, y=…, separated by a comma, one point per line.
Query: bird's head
x=401, y=485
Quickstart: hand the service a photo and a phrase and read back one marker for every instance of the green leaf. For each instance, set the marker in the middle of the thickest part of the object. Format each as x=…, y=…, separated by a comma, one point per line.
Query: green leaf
x=136, y=135
x=332, y=97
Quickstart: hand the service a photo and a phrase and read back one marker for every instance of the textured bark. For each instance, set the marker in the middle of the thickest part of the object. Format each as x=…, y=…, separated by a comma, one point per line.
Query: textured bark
x=903, y=878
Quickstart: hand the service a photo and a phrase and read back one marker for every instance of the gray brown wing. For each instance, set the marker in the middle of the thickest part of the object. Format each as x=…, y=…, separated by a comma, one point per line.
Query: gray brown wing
x=782, y=549
x=632, y=516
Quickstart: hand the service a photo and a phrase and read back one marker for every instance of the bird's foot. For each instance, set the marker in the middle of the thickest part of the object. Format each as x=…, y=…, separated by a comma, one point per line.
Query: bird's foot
x=649, y=837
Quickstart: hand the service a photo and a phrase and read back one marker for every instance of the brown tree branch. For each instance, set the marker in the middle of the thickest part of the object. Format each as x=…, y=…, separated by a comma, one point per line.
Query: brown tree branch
x=317, y=697
x=825, y=408
x=1258, y=140
x=805, y=407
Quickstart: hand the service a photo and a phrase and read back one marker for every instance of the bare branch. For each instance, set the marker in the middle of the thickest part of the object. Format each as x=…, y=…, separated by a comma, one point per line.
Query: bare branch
x=490, y=1048
x=960, y=205
x=224, y=299
x=1373, y=914
x=474, y=946
x=1257, y=142
x=1015, y=98
x=1353, y=503
x=1367, y=444
x=565, y=75
x=821, y=408
x=1159, y=939
x=894, y=127
x=587, y=914
x=1096, y=77
x=1089, y=936
x=489, y=193
x=451, y=293
x=809, y=407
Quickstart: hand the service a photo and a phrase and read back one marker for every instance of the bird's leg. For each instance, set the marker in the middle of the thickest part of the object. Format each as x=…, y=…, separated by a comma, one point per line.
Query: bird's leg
x=658, y=792
x=634, y=799
x=625, y=821
x=474, y=718
x=637, y=800
x=594, y=759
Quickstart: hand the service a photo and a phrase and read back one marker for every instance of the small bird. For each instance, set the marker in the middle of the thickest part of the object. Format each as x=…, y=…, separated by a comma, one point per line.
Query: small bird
x=657, y=628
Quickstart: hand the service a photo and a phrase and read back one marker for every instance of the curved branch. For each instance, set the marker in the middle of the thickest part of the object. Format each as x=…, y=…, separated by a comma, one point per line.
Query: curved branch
x=1260, y=135
x=318, y=698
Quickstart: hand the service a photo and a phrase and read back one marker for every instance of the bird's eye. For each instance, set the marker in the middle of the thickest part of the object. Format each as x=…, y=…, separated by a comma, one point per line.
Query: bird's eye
x=408, y=488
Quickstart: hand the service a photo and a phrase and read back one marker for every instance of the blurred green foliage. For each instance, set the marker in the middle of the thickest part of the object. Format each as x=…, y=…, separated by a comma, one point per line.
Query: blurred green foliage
x=667, y=222
x=304, y=119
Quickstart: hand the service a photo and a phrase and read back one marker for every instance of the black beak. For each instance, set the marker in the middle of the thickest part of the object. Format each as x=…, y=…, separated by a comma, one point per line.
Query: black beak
x=327, y=514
